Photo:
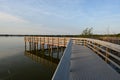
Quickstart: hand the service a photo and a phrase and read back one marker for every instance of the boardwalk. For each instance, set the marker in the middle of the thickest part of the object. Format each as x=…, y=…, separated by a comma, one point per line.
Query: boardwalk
x=86, y=65
x=80, y=60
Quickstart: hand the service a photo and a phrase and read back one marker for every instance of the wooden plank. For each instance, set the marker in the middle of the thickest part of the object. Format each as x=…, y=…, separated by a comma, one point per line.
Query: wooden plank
x=113, y=46
x=86, y=65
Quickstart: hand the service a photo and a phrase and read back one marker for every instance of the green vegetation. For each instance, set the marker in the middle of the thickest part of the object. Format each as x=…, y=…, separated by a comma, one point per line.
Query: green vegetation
x=87, y=31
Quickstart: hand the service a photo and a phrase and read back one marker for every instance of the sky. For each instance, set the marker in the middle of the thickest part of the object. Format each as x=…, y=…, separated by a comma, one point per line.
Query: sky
x=59, y=16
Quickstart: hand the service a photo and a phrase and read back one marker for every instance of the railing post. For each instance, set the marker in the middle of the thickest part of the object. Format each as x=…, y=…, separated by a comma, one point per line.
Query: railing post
x=64, y=41
x=25, y=43
x=106, y=56
x=84, y=43
x=87, y=43
x=40, y=43
x=58, y=44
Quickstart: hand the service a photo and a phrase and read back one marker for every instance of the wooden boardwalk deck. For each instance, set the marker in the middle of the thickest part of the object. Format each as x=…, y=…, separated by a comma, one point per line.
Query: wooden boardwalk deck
x=86, y=65
x=79, y=62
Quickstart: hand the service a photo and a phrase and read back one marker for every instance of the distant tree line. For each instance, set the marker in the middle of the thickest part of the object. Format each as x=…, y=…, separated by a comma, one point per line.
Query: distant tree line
x=87, y=32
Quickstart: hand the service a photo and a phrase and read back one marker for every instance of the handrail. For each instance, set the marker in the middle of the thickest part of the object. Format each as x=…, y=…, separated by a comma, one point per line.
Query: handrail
x=113, y=46
x=106, y=57
x=96, y=46
x=106, y=49
x=116, y=57
x=63, y=70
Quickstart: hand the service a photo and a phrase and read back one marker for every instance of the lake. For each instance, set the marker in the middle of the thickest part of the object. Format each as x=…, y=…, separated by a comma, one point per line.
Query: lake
x=16, y=63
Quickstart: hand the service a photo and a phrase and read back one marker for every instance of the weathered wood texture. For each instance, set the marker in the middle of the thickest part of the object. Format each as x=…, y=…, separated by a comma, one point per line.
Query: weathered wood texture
x=86, y=65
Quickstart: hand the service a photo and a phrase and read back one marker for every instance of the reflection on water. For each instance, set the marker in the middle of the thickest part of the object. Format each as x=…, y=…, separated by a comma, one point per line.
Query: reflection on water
x=16, y=63
x=39, y=56
x=46, y=57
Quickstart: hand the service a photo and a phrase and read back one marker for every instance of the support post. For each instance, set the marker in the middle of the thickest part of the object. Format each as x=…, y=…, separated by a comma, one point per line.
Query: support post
x=106, y=58
x=58, y=44
x=25, y=44
x=84, y=42
x=64, y=41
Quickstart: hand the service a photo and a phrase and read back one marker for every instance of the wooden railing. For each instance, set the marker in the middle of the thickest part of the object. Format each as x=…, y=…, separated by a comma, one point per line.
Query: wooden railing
x=56, y=41
x=108, y=51
x=63, y=69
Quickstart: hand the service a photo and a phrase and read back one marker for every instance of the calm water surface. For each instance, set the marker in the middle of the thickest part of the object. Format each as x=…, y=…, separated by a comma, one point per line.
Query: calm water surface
x=18, y=64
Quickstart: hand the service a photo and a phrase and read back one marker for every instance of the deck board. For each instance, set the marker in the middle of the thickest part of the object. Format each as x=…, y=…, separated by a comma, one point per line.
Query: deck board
x=86, y=65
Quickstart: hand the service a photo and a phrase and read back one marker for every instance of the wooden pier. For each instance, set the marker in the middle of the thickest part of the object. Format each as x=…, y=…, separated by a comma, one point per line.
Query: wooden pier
x=86, y=65
x=83, y=58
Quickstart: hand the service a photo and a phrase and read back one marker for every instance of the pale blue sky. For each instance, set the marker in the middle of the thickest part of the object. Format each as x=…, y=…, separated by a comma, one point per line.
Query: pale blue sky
x=59, y=16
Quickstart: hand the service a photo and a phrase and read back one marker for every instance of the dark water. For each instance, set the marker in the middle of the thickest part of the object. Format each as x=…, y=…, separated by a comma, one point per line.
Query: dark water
x=16, y=63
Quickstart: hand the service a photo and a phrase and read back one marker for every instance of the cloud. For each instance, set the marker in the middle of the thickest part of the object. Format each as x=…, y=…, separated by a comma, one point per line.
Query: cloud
x=5, y=17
